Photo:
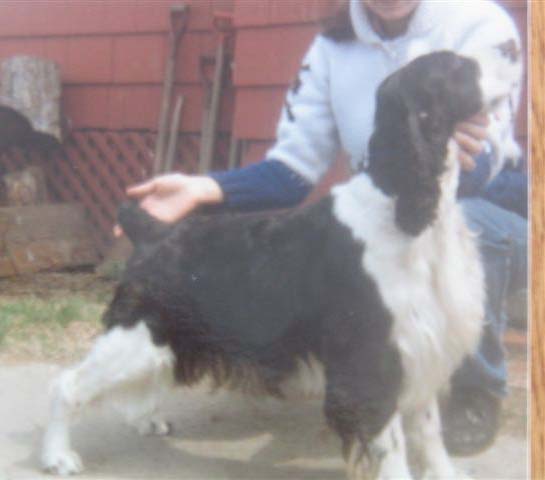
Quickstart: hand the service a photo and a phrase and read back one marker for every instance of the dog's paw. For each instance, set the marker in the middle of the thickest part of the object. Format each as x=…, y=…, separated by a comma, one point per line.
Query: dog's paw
x=62, y=462
x=364, y=464
x=159, y=428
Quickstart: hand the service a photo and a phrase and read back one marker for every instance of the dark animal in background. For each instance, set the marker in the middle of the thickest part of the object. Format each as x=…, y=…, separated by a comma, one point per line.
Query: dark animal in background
x=24, y=187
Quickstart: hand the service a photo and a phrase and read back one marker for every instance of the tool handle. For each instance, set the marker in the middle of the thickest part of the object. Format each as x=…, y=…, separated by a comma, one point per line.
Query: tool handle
x=173, y=139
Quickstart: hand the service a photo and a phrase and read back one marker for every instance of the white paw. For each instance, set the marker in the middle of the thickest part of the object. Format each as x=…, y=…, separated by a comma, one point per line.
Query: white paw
x=363, y=465
x=158, y=428
x=62, y=462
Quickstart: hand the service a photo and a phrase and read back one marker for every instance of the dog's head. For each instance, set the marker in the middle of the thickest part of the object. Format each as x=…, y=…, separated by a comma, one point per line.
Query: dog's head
x=417, y=109
x=140, y=227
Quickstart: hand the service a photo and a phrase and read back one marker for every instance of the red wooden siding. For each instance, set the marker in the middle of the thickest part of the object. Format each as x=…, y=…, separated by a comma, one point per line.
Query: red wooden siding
x=112, y=56
x=270, y=12
x=270, y=56
x=91, y=17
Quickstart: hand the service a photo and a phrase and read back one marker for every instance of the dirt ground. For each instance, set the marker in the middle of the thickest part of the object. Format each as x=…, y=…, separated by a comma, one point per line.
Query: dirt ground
x=51, y=284
x=221, y=436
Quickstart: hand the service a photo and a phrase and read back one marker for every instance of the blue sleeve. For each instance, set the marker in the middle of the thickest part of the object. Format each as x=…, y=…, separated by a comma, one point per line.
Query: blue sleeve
x=472, y=182
x=265, y=185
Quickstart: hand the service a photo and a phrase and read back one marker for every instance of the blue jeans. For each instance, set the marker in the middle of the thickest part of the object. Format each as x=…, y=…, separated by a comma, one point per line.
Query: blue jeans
x=503, y=244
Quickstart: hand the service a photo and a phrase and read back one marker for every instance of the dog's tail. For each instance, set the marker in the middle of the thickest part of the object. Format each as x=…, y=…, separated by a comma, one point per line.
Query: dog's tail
x=139, y=226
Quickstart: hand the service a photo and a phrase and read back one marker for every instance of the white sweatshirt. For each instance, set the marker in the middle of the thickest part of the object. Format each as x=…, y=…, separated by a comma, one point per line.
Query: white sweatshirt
x=333, y=106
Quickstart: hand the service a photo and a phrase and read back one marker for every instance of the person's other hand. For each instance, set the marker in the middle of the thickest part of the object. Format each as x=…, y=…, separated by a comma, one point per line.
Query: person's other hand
x=470, y=136
x=173, y=196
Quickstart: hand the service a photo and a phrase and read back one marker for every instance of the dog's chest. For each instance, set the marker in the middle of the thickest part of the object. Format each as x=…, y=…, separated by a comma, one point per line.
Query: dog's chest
x=431, y=285
x=431, y=332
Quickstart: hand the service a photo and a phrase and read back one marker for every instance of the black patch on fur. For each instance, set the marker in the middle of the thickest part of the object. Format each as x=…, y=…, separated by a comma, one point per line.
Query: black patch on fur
x=417, y=110
x=510, y=50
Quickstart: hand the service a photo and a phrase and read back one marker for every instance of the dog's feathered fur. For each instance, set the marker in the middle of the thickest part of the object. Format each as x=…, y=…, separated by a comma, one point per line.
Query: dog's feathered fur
x=380, y=283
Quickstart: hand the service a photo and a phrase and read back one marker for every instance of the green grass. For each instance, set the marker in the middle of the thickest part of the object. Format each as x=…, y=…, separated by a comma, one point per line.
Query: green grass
x=45, y=321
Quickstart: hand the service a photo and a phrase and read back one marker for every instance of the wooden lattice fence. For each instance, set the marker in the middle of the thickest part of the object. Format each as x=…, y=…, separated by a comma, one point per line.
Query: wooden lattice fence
x=94, y=167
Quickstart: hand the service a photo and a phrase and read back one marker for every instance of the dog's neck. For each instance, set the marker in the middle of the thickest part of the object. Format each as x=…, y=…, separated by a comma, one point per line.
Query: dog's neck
x=451, y=177
x=448, y=185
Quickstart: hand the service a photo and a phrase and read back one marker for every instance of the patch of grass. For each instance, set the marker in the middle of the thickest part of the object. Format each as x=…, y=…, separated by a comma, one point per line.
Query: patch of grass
x=48, y=328
x=4, y=328
x=32, y=310
x=112, y=270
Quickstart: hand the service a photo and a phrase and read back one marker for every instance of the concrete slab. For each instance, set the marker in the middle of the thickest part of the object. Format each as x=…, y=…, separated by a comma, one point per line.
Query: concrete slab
x=221, y=436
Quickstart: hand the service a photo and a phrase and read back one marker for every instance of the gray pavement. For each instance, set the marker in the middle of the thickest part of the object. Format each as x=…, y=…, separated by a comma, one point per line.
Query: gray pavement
x=221, y=436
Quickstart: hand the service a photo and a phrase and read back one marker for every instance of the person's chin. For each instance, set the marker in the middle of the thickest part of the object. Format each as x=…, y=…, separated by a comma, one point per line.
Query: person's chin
x=393, y=11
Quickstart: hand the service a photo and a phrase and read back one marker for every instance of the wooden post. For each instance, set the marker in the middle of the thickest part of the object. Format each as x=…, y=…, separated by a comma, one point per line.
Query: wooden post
x=208, y=135
x=178, y=23
x=538, y=234
x=173, y=137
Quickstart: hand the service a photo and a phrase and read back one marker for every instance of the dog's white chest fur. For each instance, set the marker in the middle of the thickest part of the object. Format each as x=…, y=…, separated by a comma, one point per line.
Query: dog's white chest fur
x=431, y=284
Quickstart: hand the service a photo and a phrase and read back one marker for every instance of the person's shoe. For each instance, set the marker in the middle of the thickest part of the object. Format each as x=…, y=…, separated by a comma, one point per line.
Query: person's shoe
x=470, y=419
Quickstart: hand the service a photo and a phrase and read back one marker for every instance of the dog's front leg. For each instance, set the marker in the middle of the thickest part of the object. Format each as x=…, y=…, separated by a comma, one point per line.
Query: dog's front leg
x=423, y=428
x=363, y=381
x=382, y=458
x=57, y=455
x=121, y=359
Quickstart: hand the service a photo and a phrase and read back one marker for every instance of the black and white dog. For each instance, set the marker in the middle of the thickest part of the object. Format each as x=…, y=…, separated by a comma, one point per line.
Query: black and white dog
x=380, y=284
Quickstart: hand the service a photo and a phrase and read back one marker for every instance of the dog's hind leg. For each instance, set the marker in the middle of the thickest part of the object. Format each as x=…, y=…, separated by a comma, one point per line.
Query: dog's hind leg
x=423, y=428
x=120, y=359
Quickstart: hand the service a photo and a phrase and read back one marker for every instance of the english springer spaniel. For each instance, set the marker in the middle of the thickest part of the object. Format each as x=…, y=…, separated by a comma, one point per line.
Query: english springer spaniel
x=380, y=284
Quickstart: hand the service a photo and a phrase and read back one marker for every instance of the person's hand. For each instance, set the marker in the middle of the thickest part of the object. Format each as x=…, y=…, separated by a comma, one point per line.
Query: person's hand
x=470, y=136
x=171, y=197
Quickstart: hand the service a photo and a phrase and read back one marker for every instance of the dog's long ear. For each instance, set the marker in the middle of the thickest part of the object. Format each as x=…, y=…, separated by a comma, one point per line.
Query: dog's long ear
x=138, y=225
x=407, y=164
x=418, y=198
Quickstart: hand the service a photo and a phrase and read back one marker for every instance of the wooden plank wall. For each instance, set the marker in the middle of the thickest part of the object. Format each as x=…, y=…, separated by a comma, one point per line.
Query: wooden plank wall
x=112, y=56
